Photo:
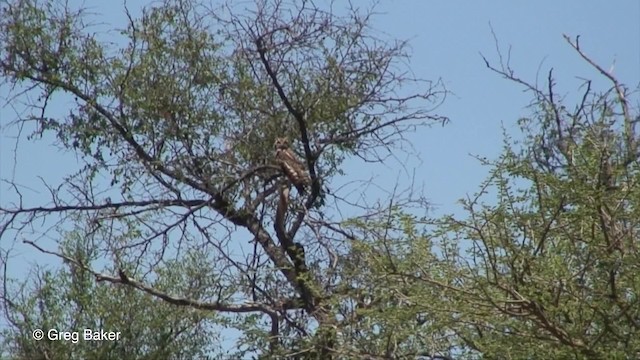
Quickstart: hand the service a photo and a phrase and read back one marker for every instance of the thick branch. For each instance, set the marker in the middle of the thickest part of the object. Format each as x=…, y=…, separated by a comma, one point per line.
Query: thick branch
x=54, y=209
x=180, y=301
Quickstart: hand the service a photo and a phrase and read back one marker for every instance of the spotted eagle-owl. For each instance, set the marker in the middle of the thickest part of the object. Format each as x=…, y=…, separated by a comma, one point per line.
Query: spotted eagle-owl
x=291, y=166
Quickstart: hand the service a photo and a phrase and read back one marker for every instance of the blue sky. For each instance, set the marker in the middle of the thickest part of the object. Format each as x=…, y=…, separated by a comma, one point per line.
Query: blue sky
x=446, y=38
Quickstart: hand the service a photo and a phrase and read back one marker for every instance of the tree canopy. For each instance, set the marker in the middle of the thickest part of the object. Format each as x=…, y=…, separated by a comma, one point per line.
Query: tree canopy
x=179, y=225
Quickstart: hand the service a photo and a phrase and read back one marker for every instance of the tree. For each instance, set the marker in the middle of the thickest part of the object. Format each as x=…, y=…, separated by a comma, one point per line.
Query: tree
x=196, y=217
x=181, y=121
x=544, y=265
x=70, y=300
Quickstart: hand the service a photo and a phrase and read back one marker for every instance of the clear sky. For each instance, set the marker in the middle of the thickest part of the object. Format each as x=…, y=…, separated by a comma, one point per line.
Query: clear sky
x=447, y=38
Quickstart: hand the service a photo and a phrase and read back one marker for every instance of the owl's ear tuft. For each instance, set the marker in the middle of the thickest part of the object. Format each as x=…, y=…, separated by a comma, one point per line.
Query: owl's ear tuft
x=281, y=143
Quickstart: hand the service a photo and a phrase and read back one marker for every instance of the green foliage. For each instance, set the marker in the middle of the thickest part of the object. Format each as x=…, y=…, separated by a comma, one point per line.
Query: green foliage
x=552, y=258
x=544, y=265
x=70, y=300
x=180, y=113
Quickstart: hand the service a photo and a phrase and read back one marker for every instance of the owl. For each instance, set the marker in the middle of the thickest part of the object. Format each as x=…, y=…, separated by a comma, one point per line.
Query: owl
x=291, y=166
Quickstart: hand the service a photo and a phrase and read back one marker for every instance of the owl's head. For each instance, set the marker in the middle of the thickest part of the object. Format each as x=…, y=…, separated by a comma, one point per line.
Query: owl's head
x=281, y=143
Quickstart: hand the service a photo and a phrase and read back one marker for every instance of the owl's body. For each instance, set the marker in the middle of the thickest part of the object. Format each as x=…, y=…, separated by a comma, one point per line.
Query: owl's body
x=291, y=166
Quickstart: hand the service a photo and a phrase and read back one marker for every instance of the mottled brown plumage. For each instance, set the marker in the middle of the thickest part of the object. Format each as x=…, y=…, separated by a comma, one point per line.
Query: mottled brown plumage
x=291, y=166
